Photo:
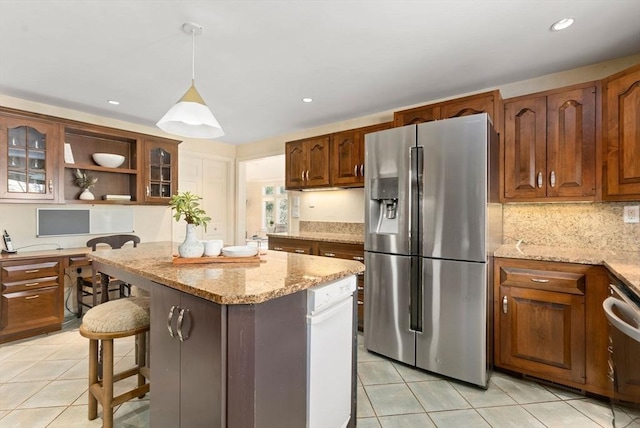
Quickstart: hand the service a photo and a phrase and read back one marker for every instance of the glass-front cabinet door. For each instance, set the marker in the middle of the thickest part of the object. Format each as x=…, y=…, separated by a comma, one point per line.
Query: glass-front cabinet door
x=27, y=159
x=161, y=170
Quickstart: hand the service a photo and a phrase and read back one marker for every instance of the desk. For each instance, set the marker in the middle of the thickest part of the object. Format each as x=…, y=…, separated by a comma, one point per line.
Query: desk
x=32, y=290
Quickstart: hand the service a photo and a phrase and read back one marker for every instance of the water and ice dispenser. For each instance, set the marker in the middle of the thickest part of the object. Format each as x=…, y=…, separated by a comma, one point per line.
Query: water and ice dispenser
x=384, y=204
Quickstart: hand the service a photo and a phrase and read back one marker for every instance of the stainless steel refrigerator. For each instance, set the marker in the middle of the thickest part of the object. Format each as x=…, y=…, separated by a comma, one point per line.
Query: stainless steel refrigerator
x=433, y=220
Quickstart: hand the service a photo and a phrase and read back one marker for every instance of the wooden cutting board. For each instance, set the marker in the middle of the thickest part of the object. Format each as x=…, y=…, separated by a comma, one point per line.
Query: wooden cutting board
x=177, y=260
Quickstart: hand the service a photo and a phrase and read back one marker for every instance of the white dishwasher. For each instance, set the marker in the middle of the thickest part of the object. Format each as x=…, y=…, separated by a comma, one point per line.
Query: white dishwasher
x=330, y=352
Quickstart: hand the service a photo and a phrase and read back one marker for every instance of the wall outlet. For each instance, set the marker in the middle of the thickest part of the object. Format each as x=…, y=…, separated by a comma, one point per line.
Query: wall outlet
x=632, y=214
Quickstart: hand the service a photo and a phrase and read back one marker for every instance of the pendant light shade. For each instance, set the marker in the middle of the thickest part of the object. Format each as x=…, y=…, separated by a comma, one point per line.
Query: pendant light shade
x=190, y=117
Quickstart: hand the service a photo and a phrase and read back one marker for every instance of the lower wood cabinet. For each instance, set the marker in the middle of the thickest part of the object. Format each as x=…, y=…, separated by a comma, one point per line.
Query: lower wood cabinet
x=187, y=361
x=31, y=299
x=326, y=249
x=549, y=322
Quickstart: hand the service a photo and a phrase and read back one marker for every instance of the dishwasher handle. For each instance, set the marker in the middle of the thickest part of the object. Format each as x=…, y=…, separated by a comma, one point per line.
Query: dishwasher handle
x=625, y=309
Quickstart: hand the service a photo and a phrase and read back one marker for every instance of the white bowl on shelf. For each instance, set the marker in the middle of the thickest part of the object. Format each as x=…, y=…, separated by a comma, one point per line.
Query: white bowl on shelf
x=108, y=159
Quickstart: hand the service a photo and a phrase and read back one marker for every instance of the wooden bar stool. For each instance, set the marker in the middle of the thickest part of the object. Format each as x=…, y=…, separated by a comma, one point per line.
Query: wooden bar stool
x=103, y=323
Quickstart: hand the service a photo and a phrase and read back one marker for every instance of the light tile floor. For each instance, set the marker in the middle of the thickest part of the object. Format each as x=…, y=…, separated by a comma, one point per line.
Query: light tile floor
x=43, y=383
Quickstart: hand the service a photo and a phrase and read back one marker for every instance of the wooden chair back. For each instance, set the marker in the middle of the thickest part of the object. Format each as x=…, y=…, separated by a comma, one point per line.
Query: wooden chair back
x=114, y=241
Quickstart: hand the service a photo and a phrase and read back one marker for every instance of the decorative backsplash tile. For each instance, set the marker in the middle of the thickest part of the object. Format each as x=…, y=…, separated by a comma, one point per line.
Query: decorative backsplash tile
x=332, y=227
x=596, y=226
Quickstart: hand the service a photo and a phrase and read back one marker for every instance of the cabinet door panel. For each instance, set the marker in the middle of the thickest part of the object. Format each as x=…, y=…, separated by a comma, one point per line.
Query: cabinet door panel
x=543, y=332
x=345, y=158
x=525, y=142
x=469, y=105
x=295, y=163
x=202, y=382
x=164, y=360
x=571, y=141
x=622, y=137
x=318, y=162
x=416, y=115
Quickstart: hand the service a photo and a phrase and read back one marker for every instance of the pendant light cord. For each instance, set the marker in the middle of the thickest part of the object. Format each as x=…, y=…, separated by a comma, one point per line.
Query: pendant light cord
x=193, y=56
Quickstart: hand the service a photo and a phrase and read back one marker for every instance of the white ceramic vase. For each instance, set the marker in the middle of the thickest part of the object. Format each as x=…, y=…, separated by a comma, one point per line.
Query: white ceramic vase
x=86, y=195
x=191, y=247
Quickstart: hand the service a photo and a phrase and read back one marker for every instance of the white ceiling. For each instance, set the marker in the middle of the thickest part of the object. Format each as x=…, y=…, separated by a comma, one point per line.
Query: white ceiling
x=257, y=59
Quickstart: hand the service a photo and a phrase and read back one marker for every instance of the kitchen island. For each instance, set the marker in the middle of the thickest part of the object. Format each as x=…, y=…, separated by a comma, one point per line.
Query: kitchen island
x=228, y=341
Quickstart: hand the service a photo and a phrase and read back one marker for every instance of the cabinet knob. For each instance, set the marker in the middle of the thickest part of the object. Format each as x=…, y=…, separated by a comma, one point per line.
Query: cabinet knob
x=552, y=179
x=50, y=186
x=539, y=180
x=504, y=304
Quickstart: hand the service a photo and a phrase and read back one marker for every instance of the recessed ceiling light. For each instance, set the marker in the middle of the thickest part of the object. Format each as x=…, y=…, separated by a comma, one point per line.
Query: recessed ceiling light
x=307, y=100
x=562, y=24
x=114, y=102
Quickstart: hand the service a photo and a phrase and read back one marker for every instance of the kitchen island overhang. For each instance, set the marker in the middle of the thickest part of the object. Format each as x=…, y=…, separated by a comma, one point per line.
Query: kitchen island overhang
x=233, y=352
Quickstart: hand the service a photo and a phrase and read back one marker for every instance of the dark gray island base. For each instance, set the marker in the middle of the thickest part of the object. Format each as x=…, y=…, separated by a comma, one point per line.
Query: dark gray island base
x=229, y=365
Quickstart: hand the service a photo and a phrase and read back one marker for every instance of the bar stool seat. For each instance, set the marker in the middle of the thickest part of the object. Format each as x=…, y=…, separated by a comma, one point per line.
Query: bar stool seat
x=103, y=323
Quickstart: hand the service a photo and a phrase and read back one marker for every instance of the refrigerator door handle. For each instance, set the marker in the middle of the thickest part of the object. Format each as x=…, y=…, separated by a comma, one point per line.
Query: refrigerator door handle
x=415, y=199
x=415, y=304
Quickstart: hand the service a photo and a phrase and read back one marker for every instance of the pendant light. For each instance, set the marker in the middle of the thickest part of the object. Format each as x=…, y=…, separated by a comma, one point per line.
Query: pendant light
x=190, y=117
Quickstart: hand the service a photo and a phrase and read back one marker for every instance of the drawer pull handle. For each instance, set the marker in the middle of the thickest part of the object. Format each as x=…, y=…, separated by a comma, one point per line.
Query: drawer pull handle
x=355, y=170
x=610, y=349
x=277, y=248
x=541, y=281
x=299, y=251
x=539, y=180
x=358, y=258
x=360, y=302
x=330, y=254
x=552, y=179
x=504, y=304
x=32, y=297
x=31, y=284
x=32, y=271
x=360, y=288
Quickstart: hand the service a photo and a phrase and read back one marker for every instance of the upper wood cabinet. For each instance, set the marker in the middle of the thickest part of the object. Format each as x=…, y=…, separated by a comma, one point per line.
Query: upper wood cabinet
x=32, y=150
x=347, y=155
x=307, y=163
x=28, y=159
x=621, y=123
x=550, y=145
x=160, y=180
x=486, y=102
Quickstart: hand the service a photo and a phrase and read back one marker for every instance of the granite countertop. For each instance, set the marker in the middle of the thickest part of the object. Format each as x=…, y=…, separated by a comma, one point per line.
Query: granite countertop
x=278, y=274
x=625, y=265
x=316, y=236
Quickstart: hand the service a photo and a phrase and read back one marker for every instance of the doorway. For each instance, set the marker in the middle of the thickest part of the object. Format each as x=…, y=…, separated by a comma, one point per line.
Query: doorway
x=262, y=201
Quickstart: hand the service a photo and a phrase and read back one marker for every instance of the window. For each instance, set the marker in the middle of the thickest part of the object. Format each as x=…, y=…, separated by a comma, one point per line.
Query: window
x=275, y=206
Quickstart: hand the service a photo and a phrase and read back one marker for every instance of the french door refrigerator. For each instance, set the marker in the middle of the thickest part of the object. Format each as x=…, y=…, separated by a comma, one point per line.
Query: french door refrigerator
x=433, y=220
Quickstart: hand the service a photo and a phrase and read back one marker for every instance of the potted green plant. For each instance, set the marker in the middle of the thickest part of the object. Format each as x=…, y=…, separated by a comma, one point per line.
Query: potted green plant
x=187, y=205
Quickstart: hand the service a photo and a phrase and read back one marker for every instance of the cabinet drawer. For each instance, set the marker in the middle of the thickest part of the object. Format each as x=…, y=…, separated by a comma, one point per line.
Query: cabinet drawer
x=341, y=251
x=30, y=309
x=562, y=282
x=298, y=246
x=17, y=271
x=29, y=284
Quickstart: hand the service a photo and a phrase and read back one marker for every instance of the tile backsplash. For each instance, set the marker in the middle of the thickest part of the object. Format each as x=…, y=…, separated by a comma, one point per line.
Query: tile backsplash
x=332, y=227
x=596, y=226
